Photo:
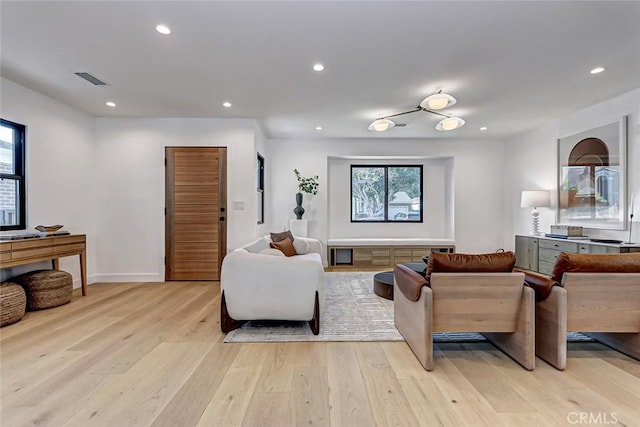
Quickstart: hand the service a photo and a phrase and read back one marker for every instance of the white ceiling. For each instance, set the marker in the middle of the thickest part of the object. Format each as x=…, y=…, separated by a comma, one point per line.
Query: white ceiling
x=512, y=66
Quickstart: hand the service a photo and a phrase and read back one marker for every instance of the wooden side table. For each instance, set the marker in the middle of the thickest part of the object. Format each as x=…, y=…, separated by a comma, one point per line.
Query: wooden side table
x=52, y=248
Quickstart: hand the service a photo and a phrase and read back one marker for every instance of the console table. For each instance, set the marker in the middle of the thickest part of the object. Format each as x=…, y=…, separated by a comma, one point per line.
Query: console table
x=540, y=253
x=27, y=251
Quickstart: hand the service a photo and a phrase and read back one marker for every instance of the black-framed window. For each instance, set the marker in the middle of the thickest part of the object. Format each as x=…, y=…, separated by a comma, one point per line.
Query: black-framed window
x=386, y=193
x=12, y=176
x=260, y=182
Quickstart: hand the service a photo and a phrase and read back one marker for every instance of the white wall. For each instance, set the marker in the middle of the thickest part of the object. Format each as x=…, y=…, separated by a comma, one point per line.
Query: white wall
x=130, y=178
x=61, y=184
x=477, y=180
x=531, y=163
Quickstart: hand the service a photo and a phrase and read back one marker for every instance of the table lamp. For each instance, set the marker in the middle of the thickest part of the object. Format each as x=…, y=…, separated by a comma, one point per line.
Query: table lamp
x=535, y=199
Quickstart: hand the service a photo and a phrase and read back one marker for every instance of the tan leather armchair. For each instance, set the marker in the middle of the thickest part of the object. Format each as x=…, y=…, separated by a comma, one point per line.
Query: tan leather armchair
x=466, y=293
x=596, y=294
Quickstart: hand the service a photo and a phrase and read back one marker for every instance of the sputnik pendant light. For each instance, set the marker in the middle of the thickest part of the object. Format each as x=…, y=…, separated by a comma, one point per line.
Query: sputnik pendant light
x=437, y=101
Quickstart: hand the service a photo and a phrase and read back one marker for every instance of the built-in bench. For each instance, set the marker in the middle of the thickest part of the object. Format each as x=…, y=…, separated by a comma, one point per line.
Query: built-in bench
x=382, y=253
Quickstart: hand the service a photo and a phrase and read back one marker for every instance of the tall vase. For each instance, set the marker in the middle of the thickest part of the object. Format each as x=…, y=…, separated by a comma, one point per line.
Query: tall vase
x=298, y=210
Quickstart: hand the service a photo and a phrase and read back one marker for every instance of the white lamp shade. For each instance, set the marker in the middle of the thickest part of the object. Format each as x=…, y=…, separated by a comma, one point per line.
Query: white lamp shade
x=438, y=101
x=381, y=125
x=535, y=199
x=450, y=123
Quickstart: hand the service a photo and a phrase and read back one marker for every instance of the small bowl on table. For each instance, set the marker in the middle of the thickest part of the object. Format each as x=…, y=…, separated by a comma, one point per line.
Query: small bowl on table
x=48, y=228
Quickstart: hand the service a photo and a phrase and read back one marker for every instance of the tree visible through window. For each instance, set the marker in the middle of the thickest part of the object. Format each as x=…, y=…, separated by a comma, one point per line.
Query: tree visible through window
x=386, y=193
x=12, y=176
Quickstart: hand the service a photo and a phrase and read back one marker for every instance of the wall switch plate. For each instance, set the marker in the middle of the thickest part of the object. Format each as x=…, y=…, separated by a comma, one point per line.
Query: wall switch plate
x=238, y=206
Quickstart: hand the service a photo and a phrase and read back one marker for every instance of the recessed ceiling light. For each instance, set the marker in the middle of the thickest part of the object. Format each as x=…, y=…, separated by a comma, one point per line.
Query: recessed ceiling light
x=318, y=127
x=483, y=128
x=226, y=104
x=163, y=29
x=111, y=104
x=318, y=67
x=597, y=70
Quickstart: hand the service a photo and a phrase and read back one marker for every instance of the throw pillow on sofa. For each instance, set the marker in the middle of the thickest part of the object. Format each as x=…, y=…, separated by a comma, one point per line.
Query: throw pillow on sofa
x=286, y=246
x=278, y=237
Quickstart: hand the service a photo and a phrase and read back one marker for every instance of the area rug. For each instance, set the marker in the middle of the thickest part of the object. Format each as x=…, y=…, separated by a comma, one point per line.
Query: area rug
x=352, y=313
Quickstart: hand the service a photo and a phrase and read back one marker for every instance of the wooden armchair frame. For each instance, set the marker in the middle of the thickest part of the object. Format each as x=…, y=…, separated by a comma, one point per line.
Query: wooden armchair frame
x=604, y=306
x=498, y=305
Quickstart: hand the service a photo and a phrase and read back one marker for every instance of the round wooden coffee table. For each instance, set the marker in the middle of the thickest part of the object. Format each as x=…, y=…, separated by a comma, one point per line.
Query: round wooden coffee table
x=383, y=284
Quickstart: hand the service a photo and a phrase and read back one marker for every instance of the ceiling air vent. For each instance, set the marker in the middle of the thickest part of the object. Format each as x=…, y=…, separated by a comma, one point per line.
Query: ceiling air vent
x=92, y=79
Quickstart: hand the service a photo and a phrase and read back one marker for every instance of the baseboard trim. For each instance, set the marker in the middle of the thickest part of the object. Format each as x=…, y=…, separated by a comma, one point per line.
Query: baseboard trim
x=131, y=277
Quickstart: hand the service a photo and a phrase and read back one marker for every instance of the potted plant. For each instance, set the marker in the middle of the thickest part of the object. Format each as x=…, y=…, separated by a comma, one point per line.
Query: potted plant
x=305, y=185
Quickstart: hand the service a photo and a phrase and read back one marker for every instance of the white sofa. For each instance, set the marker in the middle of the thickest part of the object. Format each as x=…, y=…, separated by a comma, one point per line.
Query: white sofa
x=260, y=283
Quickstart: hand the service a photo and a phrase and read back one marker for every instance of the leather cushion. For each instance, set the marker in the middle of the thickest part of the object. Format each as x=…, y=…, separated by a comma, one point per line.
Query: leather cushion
x=408, y=281
x=285, y=246
x=499, y=262
x=540, y=283
x=595, y=263
x=278, y=237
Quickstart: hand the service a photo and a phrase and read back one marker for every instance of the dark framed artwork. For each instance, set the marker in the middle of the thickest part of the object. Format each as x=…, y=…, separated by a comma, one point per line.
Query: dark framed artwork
x=592, y=177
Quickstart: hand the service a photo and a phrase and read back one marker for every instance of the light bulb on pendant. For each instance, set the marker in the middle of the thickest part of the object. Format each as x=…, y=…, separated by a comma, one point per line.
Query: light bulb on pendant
x=450, y=123
x=380, y=125
x=438, y=101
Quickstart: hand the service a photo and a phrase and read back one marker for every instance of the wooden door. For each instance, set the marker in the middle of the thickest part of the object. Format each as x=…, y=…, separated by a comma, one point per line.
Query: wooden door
x=195, y=220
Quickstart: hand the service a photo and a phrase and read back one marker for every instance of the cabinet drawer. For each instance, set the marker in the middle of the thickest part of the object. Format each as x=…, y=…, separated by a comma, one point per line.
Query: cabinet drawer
x=29, y=253
x=370, y=252
x=380, y=253
x=31, y=243
x=361, y=254
x=74, y=247
x=371, y=257
x=559, y=246
x=549, y=255
x=63, y=240
x=5, y=251
x=546, y=267
x=598, y=249
x=402, y=252
x=383, y=262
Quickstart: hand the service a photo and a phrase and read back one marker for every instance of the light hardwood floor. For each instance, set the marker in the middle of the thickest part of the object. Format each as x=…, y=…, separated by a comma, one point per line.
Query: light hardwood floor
x=152, y=354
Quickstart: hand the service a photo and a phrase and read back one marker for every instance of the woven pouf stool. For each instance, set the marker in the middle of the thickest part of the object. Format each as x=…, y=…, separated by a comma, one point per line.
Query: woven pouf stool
x=46, y=288
x=13, y=302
